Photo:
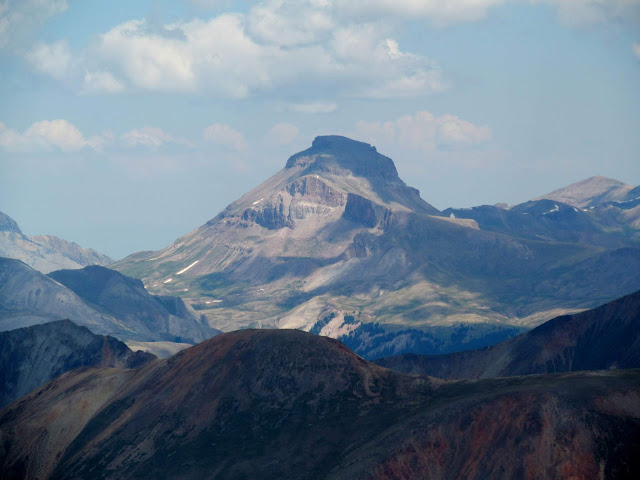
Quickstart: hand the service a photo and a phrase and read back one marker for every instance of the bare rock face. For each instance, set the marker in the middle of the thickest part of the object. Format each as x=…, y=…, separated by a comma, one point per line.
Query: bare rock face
x=366, y=212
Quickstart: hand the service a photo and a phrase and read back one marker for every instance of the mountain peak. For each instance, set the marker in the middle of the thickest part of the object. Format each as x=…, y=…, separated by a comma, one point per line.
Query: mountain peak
x=590, y=192
x=339, y=142
x=8, y=224
x=342, y=155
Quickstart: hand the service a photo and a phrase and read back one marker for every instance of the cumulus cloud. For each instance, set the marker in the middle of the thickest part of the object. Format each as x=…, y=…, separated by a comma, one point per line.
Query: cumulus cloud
x=425, y=132
x=282, y=134
x=48, y=135
x=150, y=137
x=53, y=59
x=636, y=49
x=226, y=136
x=101, y=82
x=281, y=46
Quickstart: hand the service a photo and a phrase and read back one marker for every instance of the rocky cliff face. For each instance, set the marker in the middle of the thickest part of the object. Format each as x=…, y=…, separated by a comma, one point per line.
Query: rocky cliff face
x=366, y=213
x=285, y=404
x=33, y=356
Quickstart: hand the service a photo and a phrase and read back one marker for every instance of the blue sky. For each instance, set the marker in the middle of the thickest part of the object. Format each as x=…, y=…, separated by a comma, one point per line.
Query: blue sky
x=124, y=125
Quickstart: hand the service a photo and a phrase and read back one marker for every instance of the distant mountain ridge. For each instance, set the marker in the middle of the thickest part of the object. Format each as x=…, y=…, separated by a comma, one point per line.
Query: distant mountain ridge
x=107, y=302
x=592, y=191
x=603, y=338
x=44, y=253
x=337, y=232
x=33, y=356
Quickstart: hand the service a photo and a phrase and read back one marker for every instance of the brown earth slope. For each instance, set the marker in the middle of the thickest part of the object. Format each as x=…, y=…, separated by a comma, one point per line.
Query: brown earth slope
x=287, y=404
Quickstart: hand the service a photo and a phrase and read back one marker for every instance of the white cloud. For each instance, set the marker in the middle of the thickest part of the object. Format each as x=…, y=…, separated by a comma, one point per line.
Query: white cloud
x=440, y=12
x=48, y=135
x=636, y=49
x=287, y=23
x=101, y=82
x=312, y=108
x=282, y=134
x=237, y=55
x=150, y=137
x=19, y=19
x=424, y=132
x=226, y=136
x=54, y=59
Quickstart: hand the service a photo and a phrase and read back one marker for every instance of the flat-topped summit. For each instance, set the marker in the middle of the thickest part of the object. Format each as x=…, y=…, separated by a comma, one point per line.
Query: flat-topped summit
x=342, y=155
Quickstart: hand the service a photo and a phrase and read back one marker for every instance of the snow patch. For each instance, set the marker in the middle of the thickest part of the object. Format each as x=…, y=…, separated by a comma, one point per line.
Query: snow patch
x=452, y=215
x=185, y=269
x=257, y=201
x=167, y=280
x=555, y=208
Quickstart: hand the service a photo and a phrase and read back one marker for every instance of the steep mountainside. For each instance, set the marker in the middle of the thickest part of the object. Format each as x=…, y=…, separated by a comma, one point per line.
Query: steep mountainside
x=603, y=338
x=33, y=356
x=287, y=404
x=120, y=307
x=336, y=232
x=44, y=253
x=155, y=317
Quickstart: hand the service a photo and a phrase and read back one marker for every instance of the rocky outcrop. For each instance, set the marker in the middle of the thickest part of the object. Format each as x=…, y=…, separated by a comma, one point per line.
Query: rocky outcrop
x=33, y=356
x=304, y=197
x=272, y=215
x=367, y=213
x=312, y=189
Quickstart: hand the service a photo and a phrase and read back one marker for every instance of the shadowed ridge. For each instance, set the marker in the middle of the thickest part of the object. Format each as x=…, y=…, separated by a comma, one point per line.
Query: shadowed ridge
x=606, y=337
x=287, y=404
x=33, y=356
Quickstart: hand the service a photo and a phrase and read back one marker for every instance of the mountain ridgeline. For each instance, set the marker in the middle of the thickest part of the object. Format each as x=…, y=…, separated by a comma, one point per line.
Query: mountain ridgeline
x=288, y=404
x=44, y=253
x=103, y=300
x=33, y=356
x=607, y=337
x=338, y=233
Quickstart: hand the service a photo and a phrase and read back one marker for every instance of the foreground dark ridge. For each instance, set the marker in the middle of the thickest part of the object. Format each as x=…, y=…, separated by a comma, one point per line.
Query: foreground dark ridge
x=287, y=404
x=603, y=338
x=33, y=356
